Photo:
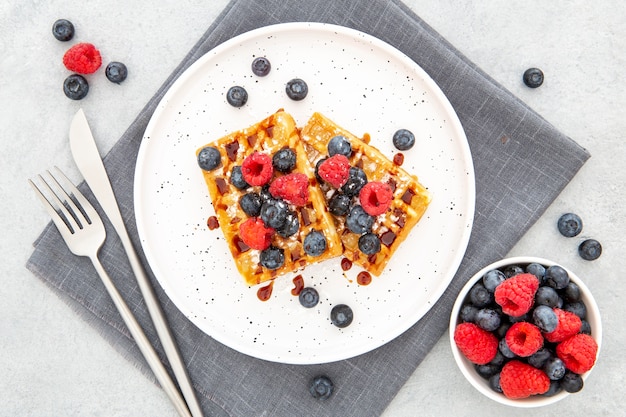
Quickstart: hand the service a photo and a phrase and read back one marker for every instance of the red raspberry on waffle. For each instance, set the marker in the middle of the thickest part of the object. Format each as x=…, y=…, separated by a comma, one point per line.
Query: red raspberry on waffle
x=479, y=346
x=255, y=234
x=335, y=170
x=375, y=197
x=516, y=294
x=257, y=168
x=578, y=353
x=521, y=380
x=293, y=188
x=569, y=324
x=524, y=338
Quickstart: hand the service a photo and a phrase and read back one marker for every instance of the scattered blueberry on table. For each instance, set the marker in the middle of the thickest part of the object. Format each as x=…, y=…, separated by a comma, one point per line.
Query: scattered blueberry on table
x=116, y=72
x=570, y=224
x=76, y=87
x=341, y=315
x=590, y=249
x=321, y=387
x=309, y=297
x=403, y=140
x=261, y=66
x=296, y=89
x=237, y=96
x=533, y=77
x=63, y=30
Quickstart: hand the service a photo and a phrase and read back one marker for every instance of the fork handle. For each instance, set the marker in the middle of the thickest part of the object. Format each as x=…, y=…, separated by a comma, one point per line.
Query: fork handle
x=142, y=341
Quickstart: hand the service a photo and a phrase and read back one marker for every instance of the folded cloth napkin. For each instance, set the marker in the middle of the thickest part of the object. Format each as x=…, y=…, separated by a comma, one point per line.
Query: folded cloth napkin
x=521, y=164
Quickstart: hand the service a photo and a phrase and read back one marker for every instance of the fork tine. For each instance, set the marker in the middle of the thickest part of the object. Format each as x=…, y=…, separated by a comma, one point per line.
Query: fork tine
x=64, y=222
x=82, y=204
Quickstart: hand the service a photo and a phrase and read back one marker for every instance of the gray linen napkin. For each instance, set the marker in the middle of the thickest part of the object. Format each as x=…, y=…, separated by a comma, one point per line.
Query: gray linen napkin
x=521, y=163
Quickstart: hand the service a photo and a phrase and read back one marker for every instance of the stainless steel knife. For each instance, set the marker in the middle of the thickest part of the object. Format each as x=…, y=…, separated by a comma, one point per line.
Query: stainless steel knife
x=89, y=162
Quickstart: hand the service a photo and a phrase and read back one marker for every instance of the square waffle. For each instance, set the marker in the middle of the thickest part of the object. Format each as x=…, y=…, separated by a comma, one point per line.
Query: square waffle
x=410, y=198
x=268, y=136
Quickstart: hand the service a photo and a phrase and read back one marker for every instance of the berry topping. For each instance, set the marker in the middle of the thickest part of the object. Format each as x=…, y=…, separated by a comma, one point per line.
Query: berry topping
x=477, y=345
x=578, y=353
x=257, y=169
x=293, y=188
x=335, y=170
x=209, y=158
x=356, y=180
x=339, y=204
x=339, y=145
x=236, y=178
x=403, y=140
x=116, y=72
x=341, y=315
x=75, y=87
x=82, y=58
x=284, y=160
x=375, y=197
x=369, y=244
x=250, y=203
x=274, y=213
x=291, y=226
x=545, y=318
x=309, y=297
x=520, y=380
x=533, y=77
x=358, y=221
x=272, y=258
x=255, y=234
x=570, y=225
x=516, y=294
x=524, y=339
x=568, y=325
x=261, y=66
x=296, y=89
x=63, y=30
x=590, y=249
x=314, y=243
x=321, y=387
x=237, y=96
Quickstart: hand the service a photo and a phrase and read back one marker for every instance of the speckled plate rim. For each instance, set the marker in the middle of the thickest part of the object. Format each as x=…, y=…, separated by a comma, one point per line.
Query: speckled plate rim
x=467, y=368
x=362, y=337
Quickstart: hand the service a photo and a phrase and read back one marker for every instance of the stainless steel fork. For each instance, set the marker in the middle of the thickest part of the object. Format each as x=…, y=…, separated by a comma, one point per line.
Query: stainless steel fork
x=83, y=231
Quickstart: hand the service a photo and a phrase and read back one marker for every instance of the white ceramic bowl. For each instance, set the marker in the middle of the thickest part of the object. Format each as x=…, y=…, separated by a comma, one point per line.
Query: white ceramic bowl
x=467, y=368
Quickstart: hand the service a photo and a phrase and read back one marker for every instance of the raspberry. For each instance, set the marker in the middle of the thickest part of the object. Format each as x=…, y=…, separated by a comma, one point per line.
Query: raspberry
x=293, y=188
x=520, y=380
x=375, y=197
x=516, y=294
x=257, y=169
x=569, y=324
x=82, y=58
x=478, y=345
x=578, y=353
x=255, y=234
x=335, y=170
x=524, y=338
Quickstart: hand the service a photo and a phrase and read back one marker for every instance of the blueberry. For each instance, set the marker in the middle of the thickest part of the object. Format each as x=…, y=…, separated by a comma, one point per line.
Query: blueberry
x=209, y=158
x=505, y=349
x=512, y=270
x=291, y=226
x=321, y=387
x=554, y=368
x=75, y=87
x=403, y=139
x=369, y=244
x=590, y=249
x=317, y=167
x=314, y=243
x=570, y=225
x=585, y=327
x=358, y=221
x=237, y=96
x=557, y=277
x=487, y=319
x=296, y=89
x=63, y=30
x=265, y=194
x=480, y=296
x=272, y=257
x=356, y=180
x=339, y=145
x=468, y=313
x=250, y=203
x=537, y=270
x=571, y=292
x=539, y=358
x=576, y=307
x=261, y=66
x=494, y=383
x=555, y=388
x=545, y=318
x=487, y=371
x=309, y=297
x=339, y=204
x=533, y=77
x=572, y=382
x=341, y=315
x=274, y=213
x=236, y=178
x=547, y=296
x=517, y=319
x=284, y=160
x=501, y=331
x=116, y=72
x=498, y=360
x=492, y=279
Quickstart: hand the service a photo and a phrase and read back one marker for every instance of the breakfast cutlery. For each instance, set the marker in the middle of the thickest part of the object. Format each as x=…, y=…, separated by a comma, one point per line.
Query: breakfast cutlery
x=83, y=231
x=89, y=162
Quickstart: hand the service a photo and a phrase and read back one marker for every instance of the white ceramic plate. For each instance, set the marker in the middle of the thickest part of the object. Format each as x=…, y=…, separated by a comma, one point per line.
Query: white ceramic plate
x=364, y=85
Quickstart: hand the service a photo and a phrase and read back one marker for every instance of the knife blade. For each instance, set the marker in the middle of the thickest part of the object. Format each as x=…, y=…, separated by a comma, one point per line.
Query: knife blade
x=87, y=158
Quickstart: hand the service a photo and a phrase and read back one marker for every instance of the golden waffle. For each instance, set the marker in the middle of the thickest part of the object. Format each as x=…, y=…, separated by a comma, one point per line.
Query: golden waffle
x=410, y=197
x=268, y=136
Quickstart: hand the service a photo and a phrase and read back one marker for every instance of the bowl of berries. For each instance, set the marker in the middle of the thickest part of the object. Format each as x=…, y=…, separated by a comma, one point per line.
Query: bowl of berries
x=525, y=332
